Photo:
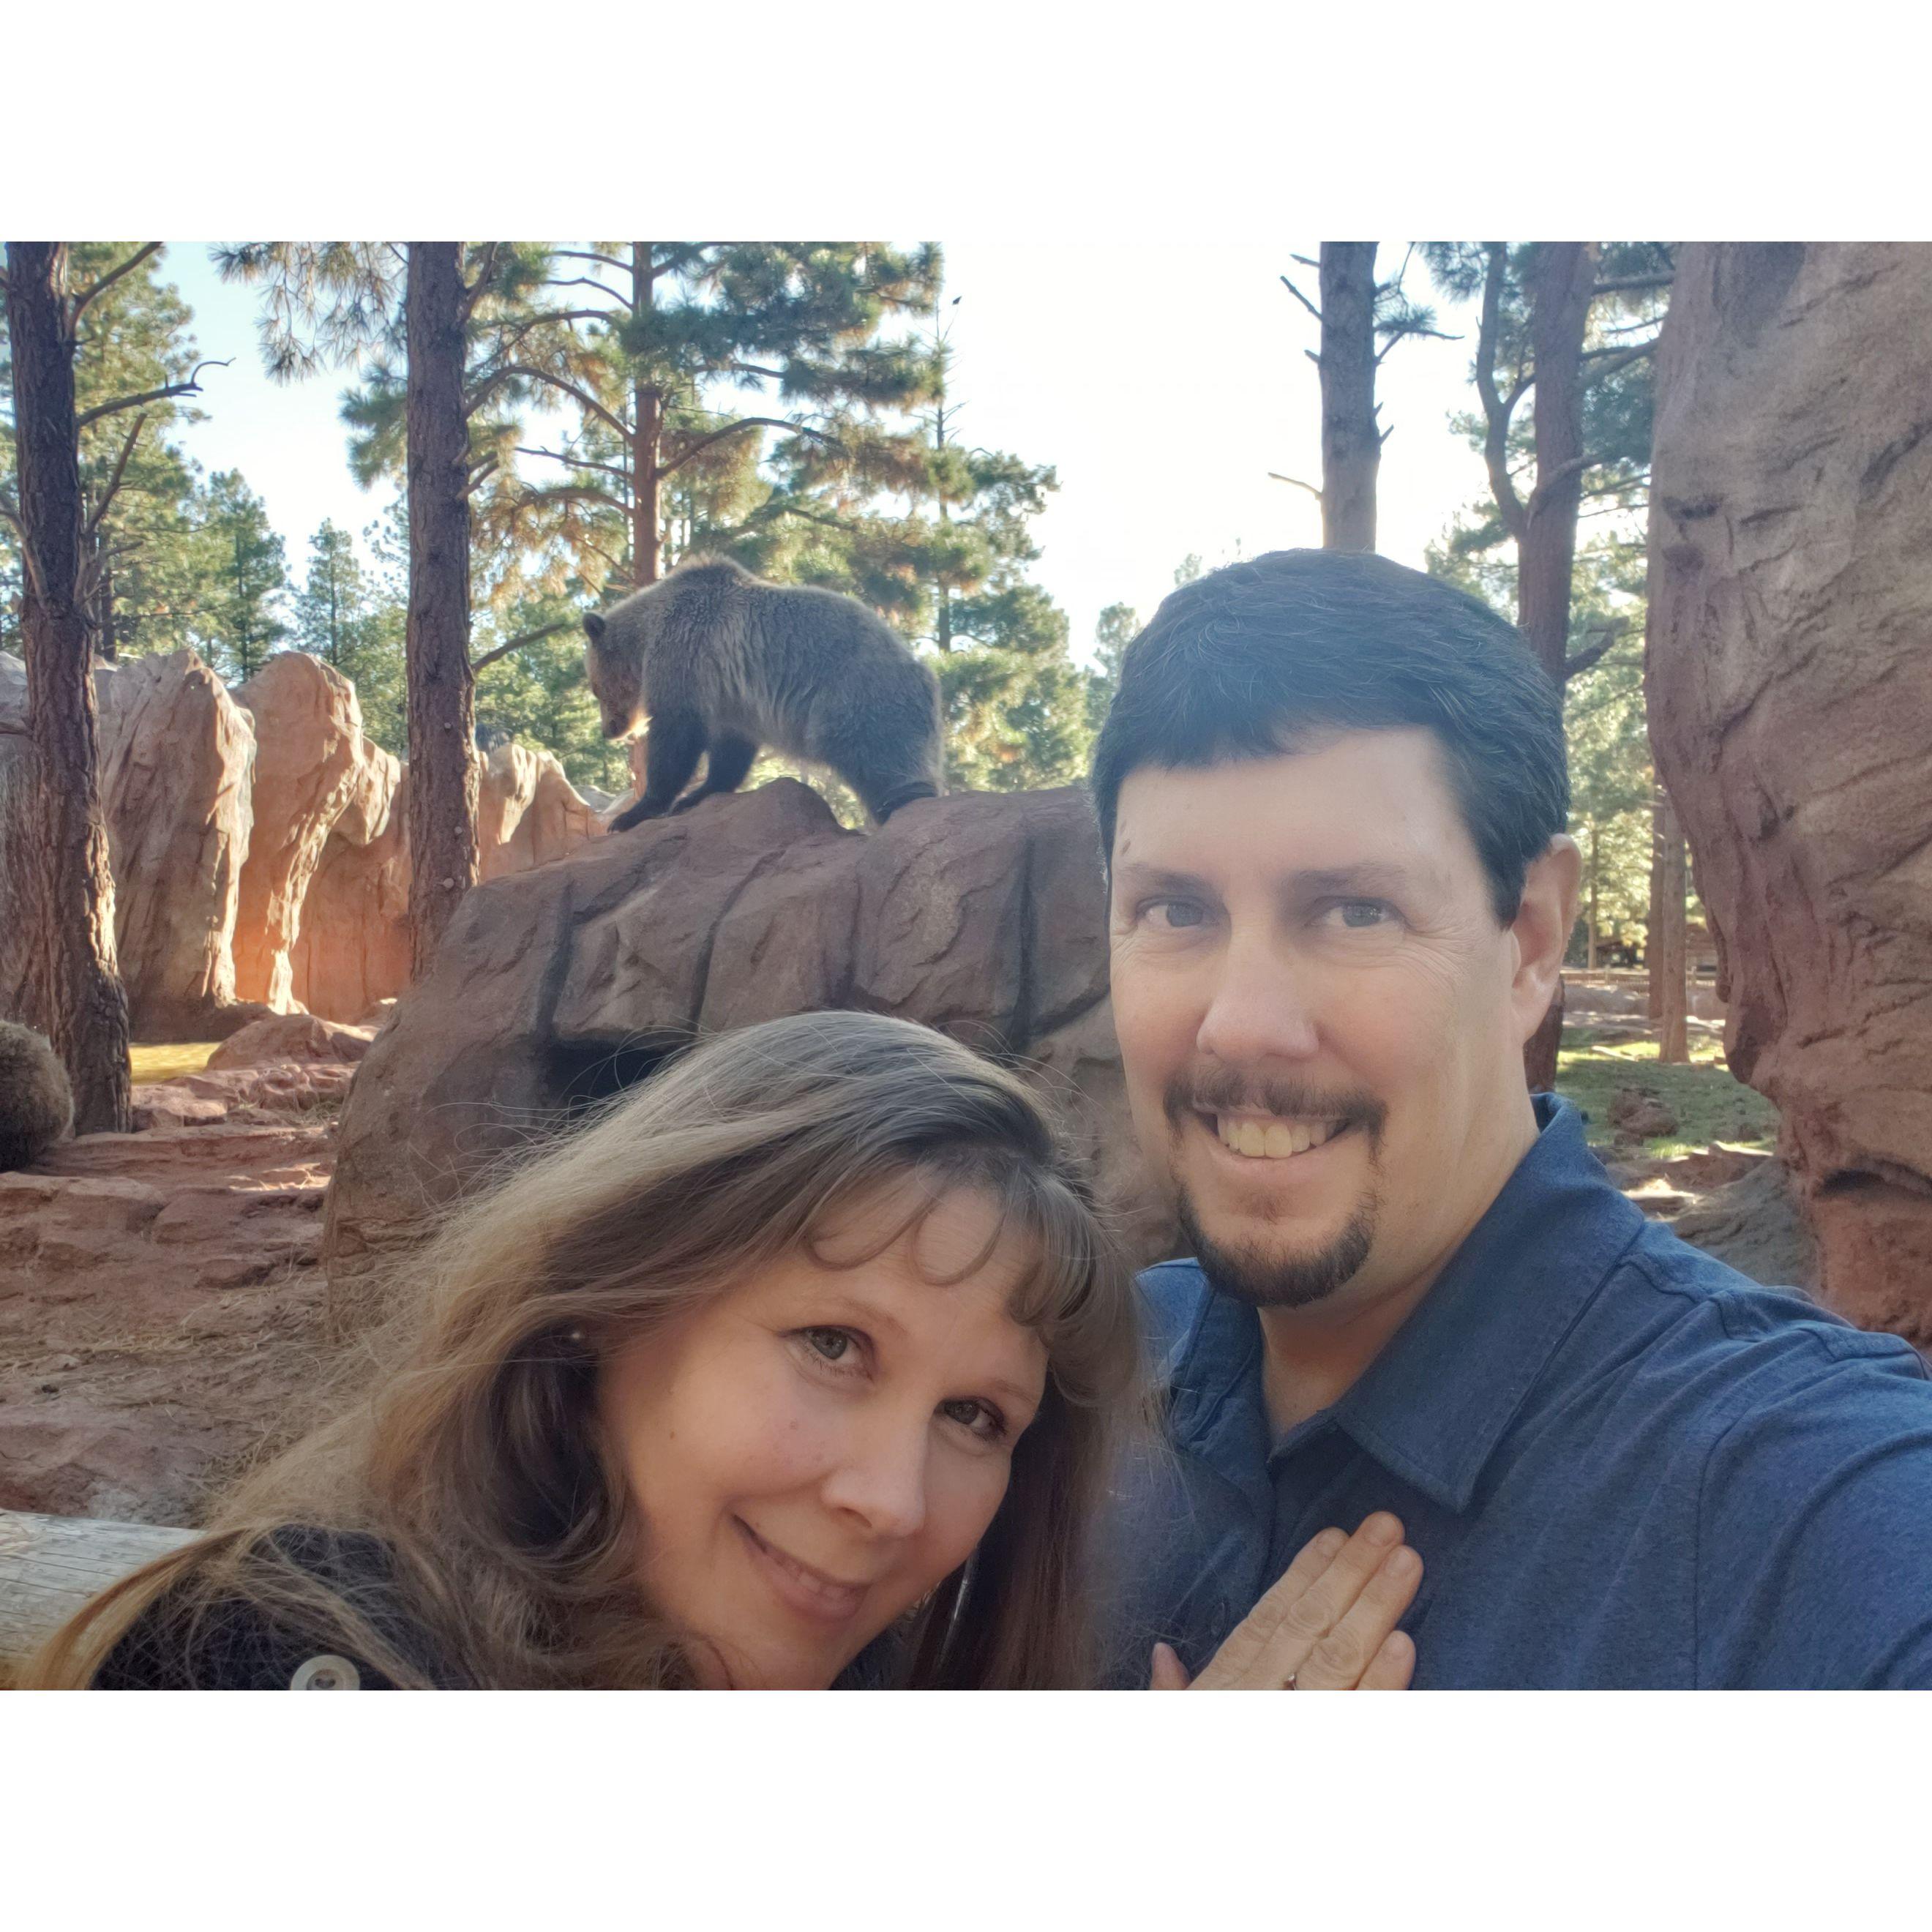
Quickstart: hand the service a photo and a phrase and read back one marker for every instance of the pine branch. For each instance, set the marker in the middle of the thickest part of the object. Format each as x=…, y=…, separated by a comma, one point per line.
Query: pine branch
x=748, y=422
x=192, y=387
x=112, y=276
x=490, y=657
x=590, y=255
x=497, y=377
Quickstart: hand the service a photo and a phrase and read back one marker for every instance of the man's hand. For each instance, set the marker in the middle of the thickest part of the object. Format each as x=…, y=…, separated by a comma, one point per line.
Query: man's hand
x=1329, y=1622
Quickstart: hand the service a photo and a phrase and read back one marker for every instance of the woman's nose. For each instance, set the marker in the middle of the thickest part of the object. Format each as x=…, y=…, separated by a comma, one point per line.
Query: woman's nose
x=881, y=1478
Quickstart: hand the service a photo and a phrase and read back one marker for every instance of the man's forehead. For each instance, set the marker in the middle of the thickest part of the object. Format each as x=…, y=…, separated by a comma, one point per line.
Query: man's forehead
x=1347, y=799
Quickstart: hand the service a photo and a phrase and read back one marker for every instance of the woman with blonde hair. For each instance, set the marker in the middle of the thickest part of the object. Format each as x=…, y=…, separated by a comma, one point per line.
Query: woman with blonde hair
x=797, y=1367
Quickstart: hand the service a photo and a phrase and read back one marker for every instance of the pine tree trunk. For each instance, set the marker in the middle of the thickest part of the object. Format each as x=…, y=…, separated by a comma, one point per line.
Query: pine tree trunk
x=1673, y=1043
x=442, y=713
x=1653, y=924
x=76, y=991
x=1590, y=958
x=1352, y=445
x=647, y=431
x=1539, y=1052
x=1564, y=274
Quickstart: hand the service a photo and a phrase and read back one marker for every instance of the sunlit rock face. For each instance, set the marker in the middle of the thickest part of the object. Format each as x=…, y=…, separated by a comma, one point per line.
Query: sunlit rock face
x=316, y=775
x=1790, y=674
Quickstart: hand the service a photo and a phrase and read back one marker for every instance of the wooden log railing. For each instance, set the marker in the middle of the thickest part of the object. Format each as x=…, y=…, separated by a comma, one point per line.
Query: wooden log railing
x=50, y=1565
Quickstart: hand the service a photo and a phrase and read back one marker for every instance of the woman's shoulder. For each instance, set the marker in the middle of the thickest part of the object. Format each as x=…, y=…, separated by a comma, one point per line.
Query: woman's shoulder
x=245, y=1641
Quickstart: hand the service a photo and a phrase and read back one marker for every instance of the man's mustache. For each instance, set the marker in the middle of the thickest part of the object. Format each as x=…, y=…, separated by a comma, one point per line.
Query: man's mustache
x=1228, y=1090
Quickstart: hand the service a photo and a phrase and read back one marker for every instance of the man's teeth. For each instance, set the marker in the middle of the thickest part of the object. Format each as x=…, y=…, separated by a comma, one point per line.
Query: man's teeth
x=1273, y=1139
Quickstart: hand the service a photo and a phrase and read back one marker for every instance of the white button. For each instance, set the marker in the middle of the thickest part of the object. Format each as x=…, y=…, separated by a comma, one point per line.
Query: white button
x=327, y=1673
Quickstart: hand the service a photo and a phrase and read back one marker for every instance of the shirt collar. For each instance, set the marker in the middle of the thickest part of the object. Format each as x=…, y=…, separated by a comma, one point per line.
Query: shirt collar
x=1434, y=1403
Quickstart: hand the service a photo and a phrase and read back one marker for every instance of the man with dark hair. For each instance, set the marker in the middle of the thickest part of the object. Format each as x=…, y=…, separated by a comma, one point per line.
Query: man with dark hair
x=1332, y=794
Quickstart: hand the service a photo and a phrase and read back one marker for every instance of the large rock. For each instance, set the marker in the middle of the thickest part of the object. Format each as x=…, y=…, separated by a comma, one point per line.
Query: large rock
x=353, y=950
x=177, y=755
x=1790, y=698
x=528, y=812
x=315, y=775
x=177, y=760
x=981, y=913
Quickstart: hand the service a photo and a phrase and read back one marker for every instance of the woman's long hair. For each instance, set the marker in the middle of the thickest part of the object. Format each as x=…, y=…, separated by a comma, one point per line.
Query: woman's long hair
x=476, y=1456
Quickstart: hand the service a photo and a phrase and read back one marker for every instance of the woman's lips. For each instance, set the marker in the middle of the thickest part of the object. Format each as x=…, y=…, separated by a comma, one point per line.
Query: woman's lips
x=811, y=1592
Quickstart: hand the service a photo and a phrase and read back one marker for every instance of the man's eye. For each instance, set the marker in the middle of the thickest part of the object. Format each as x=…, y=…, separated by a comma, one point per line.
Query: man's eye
x=1360, y=915
x=1177, y=915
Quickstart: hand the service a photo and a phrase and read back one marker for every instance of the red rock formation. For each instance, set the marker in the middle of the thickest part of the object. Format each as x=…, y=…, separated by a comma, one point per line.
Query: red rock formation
x=353, y=947
x=177, y=758
x=981, y=913
x=1790, y=692
x=177, y=754
x=315, y=775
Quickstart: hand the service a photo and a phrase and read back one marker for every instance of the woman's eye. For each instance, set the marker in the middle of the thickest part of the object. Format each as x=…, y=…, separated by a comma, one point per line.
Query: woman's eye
x=829, y=1344
x=977, y=1417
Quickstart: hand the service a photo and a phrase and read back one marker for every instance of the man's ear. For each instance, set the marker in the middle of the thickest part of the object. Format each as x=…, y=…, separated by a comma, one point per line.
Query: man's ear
x=1541, y=929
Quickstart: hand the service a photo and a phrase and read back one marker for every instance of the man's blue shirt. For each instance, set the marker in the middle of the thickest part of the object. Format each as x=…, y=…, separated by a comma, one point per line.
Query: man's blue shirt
x=1624, y=1464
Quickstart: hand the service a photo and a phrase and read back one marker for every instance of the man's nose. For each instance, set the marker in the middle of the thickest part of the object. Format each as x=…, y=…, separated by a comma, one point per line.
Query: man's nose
x=1259, y=1007
x=881, y=1478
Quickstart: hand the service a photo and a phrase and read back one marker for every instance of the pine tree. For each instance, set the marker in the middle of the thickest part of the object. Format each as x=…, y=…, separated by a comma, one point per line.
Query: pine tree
x=74, y=991
x=655, y=348
x=436, y=328
x=953, y=575
x=1361, y=319
x=250, y=568
x=1117, y=627
x=144, y=582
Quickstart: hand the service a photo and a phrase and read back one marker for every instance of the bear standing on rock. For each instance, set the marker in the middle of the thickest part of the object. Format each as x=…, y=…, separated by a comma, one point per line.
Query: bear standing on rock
x=721, y=663
x=36, y=1103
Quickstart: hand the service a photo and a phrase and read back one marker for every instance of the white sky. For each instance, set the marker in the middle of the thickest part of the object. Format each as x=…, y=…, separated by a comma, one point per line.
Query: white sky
x=1163, y=390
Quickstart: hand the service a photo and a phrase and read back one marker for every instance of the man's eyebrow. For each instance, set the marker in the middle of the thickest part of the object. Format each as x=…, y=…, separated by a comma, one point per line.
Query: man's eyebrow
x=1143, y=877
x=1371, y=875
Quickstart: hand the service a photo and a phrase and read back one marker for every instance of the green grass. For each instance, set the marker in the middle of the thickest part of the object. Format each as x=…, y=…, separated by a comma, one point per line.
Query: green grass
x=169, y=1063
x=1709, y=1104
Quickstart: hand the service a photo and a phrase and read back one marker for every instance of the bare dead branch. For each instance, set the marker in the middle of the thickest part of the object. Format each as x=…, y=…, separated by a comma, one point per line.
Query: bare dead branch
x=1547, y=487
x=1306, y=261
x=112, y=276
x=113, y=489
x=192, y=387
x=1619, y=285
x=578, y=462
x=1279, y=478
x=1298, y=295
x=490, y=657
